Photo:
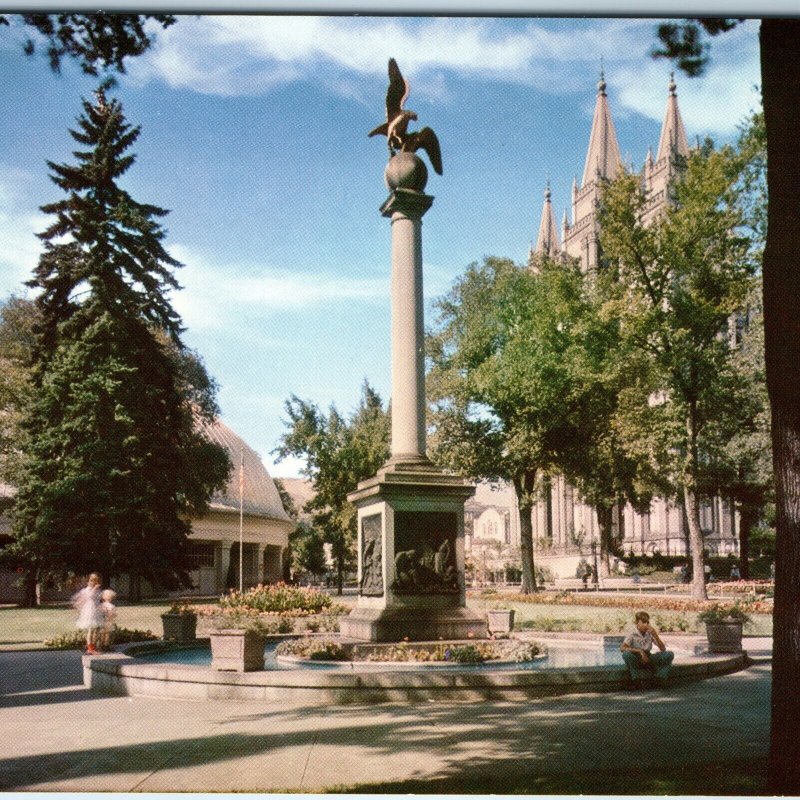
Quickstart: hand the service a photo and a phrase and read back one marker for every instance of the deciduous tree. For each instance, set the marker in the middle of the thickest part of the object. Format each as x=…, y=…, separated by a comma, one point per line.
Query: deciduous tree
x=96, y=41
x=674, y=284
x=507, y=400
x=338, y=452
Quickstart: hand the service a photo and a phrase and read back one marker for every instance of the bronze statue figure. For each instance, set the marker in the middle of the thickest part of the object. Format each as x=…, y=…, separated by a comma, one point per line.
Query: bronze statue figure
x=398, y=137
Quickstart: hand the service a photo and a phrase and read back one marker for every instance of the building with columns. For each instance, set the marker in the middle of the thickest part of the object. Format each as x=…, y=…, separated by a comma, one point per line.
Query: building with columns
x=214, y=540
x=563, y=526
x=265, y=525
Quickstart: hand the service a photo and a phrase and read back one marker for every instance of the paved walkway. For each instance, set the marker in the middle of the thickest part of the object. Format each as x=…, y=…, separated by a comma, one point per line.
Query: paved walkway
x=59, y=736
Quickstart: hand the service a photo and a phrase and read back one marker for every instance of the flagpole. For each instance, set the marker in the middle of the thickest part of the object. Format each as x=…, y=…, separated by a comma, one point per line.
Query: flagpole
x=241, y=520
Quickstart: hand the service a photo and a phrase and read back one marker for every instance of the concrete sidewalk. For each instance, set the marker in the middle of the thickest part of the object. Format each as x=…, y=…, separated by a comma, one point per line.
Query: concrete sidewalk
x=59, y=736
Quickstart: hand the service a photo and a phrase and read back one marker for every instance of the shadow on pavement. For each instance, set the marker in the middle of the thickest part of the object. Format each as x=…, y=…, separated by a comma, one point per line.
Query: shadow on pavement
x=70, y=694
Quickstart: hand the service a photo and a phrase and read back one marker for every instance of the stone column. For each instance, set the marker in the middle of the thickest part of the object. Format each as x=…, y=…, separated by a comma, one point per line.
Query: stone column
x=260, y=573
x=224, y=564
x=411, y=513
x=405, y=176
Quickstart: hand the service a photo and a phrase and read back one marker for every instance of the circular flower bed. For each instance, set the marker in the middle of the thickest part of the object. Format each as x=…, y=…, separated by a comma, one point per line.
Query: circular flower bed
x=325, y=649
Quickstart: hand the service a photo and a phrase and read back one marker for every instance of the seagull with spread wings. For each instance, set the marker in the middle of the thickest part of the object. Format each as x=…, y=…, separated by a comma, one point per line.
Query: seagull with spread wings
x=397, y=118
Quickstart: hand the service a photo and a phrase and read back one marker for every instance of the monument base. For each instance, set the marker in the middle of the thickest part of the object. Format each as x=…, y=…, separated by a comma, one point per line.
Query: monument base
x=411, y=563
x=396, y=624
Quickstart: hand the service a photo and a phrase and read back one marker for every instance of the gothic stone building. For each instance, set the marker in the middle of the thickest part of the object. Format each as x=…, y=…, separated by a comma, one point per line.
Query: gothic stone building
x=563, y=526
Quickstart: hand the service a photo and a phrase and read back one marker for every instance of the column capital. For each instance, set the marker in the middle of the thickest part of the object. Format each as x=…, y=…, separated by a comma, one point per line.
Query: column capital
x=407, y=202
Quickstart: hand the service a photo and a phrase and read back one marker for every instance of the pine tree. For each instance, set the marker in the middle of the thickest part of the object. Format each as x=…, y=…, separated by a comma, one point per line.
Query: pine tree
x=115, y=460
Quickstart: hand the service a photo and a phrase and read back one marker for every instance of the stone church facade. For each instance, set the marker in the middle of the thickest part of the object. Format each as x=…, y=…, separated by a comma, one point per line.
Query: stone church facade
x=563, y=526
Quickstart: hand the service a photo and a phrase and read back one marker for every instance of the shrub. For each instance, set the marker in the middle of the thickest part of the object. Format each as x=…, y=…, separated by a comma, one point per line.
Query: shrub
x=76, y=640
x=285, y=625
x=650, y=603
x=719, y=612
x=314, y=649
x=466, y=654
x=278, y=597
x=183, y=608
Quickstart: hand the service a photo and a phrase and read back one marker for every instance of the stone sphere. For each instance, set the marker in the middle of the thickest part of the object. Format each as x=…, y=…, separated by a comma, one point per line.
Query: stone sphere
x=406, y=171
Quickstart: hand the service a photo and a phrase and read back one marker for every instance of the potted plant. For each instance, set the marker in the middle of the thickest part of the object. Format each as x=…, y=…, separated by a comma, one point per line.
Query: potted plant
x=180, y=622
x=724, y=627
x=237, y=644
x=500, y=620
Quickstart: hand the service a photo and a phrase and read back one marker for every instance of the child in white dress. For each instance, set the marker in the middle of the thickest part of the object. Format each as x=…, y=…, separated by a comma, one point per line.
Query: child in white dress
x=87, y=601
x=108, y=612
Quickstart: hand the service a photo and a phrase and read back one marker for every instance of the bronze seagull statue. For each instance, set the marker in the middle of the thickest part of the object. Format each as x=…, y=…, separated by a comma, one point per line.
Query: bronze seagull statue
x=397, y=118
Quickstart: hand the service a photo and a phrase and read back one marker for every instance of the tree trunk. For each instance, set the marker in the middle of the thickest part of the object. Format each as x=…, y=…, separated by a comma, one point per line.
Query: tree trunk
x=340, y=576
x=29, y=593
x=693, y=507
x=523, y=486
x=748, y=516
x=780, y=77
x=695, y=543
x=135, y=587
x=605, y=518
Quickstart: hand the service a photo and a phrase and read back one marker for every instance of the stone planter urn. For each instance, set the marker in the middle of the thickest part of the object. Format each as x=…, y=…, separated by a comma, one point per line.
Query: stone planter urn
x=179, y=627
x=724, y=637
x=237, y=650
x=500, y=620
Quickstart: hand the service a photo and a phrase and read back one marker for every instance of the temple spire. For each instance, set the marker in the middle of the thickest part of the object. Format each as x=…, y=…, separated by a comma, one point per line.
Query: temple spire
x=673, y=139
x=603, y=156
x=547, y=243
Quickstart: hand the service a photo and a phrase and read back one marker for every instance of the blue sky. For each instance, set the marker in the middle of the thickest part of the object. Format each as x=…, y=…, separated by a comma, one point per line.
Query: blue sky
x=254, y=134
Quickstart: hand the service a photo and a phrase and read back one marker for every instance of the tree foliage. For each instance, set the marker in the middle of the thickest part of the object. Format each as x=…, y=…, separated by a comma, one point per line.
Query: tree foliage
x=674, y=284
x=17, y=320
x=96, y=41
x=339, y=452
x=114, y=456
x=508, y=398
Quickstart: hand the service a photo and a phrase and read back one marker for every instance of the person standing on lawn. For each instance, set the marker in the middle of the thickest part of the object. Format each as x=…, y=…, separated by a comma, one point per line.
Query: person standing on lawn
x=643, y=664
x=87, y=601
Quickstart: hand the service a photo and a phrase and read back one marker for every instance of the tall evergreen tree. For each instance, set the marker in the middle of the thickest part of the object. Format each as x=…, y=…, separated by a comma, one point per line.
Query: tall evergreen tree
x=115, y=459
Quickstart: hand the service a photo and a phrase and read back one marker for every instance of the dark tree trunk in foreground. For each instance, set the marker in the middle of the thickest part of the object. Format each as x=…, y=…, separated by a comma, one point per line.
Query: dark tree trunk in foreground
x=780, y=75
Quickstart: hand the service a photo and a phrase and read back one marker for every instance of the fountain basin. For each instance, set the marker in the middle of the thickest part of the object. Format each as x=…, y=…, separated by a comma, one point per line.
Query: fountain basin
x=133, y=671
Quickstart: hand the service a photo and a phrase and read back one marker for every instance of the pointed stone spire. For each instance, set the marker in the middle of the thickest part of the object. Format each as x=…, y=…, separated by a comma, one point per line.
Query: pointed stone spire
x=673, y=139
x=548, y=242
x=603, y=156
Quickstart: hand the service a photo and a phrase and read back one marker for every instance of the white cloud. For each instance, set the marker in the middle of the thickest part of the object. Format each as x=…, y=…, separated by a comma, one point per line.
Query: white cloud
x=213, y=295
x=19, y=246
x=712, y=104
x=243, y=55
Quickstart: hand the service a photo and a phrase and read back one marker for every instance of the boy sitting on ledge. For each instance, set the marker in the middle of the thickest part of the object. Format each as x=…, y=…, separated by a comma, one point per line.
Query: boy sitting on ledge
x=636, y=648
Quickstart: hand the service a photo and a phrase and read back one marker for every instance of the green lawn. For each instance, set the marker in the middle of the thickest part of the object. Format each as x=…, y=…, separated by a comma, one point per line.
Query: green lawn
x=29, y=627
